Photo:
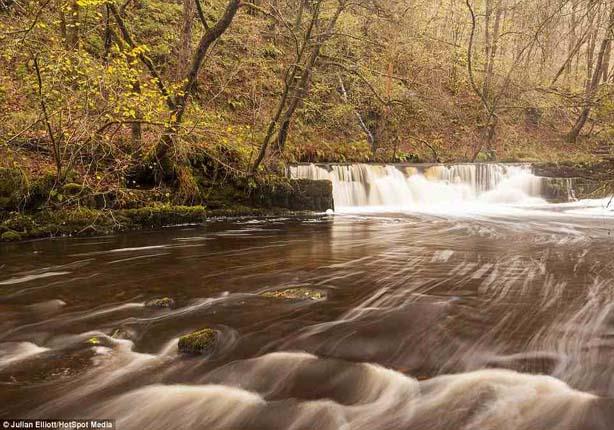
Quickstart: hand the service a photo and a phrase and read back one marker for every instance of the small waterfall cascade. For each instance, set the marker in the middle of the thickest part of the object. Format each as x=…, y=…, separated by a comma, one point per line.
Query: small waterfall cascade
x=411, y=187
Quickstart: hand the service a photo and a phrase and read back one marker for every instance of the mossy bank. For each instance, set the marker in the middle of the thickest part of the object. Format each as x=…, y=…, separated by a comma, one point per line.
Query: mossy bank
x=568, y=181
x=40, y=208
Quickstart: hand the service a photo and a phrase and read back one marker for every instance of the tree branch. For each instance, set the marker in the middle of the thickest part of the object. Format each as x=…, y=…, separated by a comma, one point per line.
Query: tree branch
x=144, y=59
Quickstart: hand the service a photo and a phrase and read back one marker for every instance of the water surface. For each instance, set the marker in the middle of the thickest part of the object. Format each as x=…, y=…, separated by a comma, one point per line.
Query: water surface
x=499, y=318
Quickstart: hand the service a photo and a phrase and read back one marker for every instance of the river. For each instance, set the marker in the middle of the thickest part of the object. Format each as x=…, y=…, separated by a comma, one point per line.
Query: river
x=452, y=298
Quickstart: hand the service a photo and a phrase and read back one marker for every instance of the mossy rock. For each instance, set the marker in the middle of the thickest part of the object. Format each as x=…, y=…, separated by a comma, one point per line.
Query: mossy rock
x=76, y=194
x=199, y=342
x=39, y=191
x=600, y=171
x=10, y=236
x=73, y=189
x=165, y=302
x=20, y=223
x=296, y=294
x=160, y=216
x=295, y=194
x=13, y=187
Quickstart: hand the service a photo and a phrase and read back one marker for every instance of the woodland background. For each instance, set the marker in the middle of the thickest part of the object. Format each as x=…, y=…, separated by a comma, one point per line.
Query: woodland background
x=146, y=92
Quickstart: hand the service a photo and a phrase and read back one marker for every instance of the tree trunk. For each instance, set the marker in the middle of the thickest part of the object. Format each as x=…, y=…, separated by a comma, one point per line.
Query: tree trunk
x=184, y=49
x=361, y=122
x=492, y=50
x=295, y=92
x=135, y=128
x=168, y=140
x=606, y=63
x=72, y=25
x=572, y=43
x=298, y=94
x=595, y=79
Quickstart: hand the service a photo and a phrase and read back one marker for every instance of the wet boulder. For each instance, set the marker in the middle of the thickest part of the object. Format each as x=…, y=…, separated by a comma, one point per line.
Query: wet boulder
x=296, y=294
x=295, y=194
x=198, y=342
x=162, y=303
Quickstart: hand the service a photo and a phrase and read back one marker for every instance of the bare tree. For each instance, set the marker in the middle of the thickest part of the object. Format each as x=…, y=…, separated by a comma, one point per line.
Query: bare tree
x=178, y=105
x=298, y=74
x=594, y=78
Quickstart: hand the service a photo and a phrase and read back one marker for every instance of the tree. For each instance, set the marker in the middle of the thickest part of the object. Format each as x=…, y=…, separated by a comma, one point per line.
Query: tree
x=308, y=45
x=595, y=77
x=178, y=105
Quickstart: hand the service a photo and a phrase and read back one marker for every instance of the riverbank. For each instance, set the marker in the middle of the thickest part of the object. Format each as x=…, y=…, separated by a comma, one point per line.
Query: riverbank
x=30, y=210
x=88, y=222
x=39, y=208
x=582, y=180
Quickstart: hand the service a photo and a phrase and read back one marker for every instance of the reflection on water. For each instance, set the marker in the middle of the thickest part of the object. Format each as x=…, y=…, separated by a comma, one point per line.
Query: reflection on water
x=492, y=320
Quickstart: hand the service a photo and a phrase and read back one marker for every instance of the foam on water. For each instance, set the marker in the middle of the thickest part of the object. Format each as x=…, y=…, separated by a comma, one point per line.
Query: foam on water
x=355, y=396
x=12, y=352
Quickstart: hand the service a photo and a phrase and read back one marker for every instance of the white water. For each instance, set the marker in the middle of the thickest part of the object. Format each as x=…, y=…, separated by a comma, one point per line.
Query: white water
x=362, y=396
x=387, y=187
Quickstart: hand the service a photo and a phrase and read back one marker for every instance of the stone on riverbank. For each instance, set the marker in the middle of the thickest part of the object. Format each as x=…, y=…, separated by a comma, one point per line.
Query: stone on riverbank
x=198, y=342
x=296, y=194
x=598, y=171
x=565, y=182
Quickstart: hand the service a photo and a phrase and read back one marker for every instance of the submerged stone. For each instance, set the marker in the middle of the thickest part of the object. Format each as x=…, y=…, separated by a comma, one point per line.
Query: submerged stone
x=198, y=342
x=165, y=302
x=296, y=294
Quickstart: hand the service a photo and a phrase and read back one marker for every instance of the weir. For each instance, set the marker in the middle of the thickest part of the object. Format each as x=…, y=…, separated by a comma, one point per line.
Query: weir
x=412, y=186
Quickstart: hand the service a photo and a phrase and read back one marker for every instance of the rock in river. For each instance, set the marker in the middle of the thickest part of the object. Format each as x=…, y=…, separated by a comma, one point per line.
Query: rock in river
x=296, y=294
x=164, y=302
x=198, y=342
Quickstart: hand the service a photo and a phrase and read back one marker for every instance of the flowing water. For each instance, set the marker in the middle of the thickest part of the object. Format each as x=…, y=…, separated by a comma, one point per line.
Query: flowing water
x=455, y=298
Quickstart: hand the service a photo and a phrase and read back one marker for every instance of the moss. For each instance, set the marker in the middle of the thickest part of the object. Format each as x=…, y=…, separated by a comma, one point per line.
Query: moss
x=84, y=221
x=295, y=194
x=94, y=340
x=73, y=189
x=219, y=196
x=19, y=222
x=81, y=218
x=198, y=342
x=13, y=186
x=10, y=236
x=39, y=191
x=160, y=216
x=601, y=171
x=296, y=294
x=165, y=302
x=484, y=157
x=188, y=190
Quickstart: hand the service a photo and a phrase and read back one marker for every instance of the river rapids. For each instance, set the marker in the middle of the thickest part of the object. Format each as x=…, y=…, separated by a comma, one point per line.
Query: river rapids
x=452, y=298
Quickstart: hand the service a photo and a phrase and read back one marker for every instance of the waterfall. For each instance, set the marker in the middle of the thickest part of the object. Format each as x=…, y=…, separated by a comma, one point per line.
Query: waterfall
x=402, y=187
